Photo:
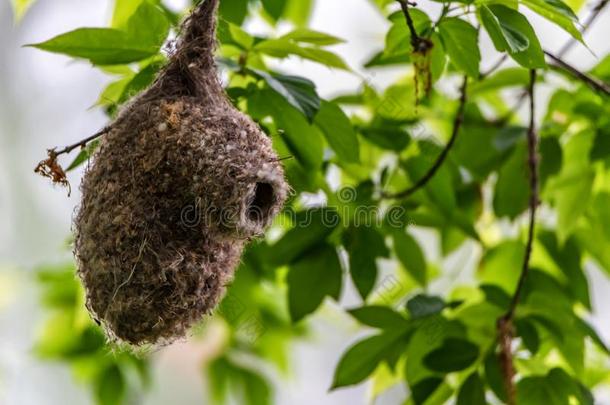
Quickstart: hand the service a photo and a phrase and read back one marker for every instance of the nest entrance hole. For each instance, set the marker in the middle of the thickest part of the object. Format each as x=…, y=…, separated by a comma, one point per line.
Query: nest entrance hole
x=261, y=203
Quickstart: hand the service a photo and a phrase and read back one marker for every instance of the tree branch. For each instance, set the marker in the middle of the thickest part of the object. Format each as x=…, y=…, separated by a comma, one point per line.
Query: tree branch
x=457, y=123
x=51, y=169
x=597, y=10
x=404, y=5
x=560, y=64
x=82, y=143
x=590, y=81
x=505, y=329
x=495, y=66
x=419, y=44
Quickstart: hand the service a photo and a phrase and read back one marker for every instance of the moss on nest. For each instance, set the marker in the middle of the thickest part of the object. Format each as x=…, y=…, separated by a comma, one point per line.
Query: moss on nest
x=180, y=182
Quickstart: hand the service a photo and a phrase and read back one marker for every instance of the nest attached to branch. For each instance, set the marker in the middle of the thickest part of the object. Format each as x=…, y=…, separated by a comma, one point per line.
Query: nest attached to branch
x=180, y=182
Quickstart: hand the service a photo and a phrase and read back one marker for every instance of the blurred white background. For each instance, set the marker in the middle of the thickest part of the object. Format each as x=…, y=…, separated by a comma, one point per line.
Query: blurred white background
x=44, y=102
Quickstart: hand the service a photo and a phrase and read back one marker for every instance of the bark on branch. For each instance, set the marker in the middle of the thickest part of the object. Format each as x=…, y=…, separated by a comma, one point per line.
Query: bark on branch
x=505, y=323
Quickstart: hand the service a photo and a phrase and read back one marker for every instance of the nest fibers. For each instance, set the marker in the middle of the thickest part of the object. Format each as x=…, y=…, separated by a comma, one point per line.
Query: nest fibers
x=179, y=183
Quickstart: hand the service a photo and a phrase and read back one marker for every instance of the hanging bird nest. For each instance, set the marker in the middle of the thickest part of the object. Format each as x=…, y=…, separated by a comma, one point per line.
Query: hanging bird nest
x=180, y=182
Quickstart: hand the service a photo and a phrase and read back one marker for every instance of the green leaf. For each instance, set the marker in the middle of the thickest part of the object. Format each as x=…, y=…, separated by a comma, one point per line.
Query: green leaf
x=234, y=11
x=110, y=386
x=148, y=25
x=257, y=390
x=304, y=140
x=511, y=194
x=472, y=391
x=232, y=34
x=110, y=96
x=339, y=132
x=282, y=48
x=494, y=375
x=140, y=81
x=509, y=77
x=555, y=388
x=275, y=8
x=588, y=330
x=551, y=158
x=101, y=46
x=572, y=187
x=364, y=244
x=481, y=148
x=508, y=29
x=568, y=259
x=556, y=12
x=311, y=228
x=410, y=256
x=83, y=155
x=438, y=58
x=535, y=390
x=379, y=317
x=496, y=296
x=397, y=103
x=504, y=36
x=422, y=306
x=123, y=10
x=594, y=234
x=440, y=188
x=360, y=360
x=382, y=59
x=601, y=144
x=498, y=265
x=430, y=334
x=312, y=37
x=386, y=135
x=298, y=91
x=421, y=391
x=299, y=11
x=219, y=373
x=226, y=377
x=453, y=355
x=528, y=333
x=146, y=31
x=567, y=386
x=310, y=279
x=549, y=324
x=563, y=8
x=460, y=40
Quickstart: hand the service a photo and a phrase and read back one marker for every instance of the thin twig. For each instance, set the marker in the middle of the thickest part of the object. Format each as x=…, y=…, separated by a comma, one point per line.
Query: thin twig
x=597, y=10
x=51, y=169
x=532, y=147
x=82, y=143
x=560, y=64
x=404, y=5
x=505, y=322
x=419, y=44
x=280, y=159
x=457, y=123
x=495, y=66
x=590, y=81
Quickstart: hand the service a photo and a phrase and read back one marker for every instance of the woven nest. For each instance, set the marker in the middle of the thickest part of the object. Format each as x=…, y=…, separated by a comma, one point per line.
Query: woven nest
x=181, y=181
